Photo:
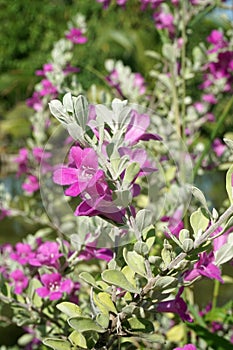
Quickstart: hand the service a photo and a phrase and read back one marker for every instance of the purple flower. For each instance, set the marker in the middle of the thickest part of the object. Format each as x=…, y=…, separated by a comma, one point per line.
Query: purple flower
x=105, y=3
x=47, y=67
x=187, y=347
x=218, y=147
x=204, y=267
x=137, y=127
x=82, y=174
x=209, y=98
x=54, y=286
x=176, y=306
x=164, y=21
x=4, y=213
x=20, y=281
x=47, y=254
x=76, y=36
x=35, y=102
x=91, y=252
x=23, y=253
x=48, y=88
x=216, y=39
x=175, y=224
x=139, y=82
x=31, y=184
x=22, y=161
x=69, y=69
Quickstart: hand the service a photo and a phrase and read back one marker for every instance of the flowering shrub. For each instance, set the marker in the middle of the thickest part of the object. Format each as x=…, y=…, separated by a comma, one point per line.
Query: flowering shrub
x=119, y=248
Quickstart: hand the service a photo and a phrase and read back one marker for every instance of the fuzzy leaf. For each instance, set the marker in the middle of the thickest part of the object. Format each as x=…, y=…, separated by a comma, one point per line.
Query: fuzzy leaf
x=78, y=339
x=225, y=253
x=143, y=219
x=117, y=278
x=70, y=309
x=229, y=184
x=199, y=222
x=135, y=262
x=57, y=344
x=131, y=171
x=88, y=278
x=84, y=324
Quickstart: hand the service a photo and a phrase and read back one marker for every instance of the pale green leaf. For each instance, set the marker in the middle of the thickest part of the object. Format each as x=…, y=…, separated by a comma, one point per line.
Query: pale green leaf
x=117, y=278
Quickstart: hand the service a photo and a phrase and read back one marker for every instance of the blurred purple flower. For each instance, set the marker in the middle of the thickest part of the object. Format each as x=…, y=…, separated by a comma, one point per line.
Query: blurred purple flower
x=22, y=161
x=20, y=281
x=204, y=267
x=209, y=98
x=4, y=213
x=35, y=101
x=164, y=21
x=31, y=184
x=176, y=306
x=76, y=36
x=48, y=88
x=175, y=224
x=47, y=67
x=54, y=286
x=22, y=253
x=187, y=347
x=139, y=82
x=218, y=147
x=217, y=40
x=47, y=254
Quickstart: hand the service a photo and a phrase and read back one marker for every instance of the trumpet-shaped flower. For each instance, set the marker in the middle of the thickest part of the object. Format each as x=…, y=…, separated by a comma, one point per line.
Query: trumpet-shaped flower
x=177, y=306
x=204, y=267
x=54, y=286
x=82, y=173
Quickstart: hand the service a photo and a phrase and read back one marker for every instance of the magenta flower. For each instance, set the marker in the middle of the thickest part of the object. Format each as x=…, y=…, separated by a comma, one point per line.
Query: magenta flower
x=54, y=286
x=187, y=347
x=76, y=36
x=4, y=213
x=176, y=306
x=175, y=223
x=31, y=184
x=82, y=174
x=35, y=102
x=137, y=127
x=218, y=147
x=204, y=267
x=48, y=88
x=22, y=254
x=20, y=281
x=47, y=67
x=105, y=3
x=22, y=161
x=47, y=254
x=70, y=69
x=216, y=39
x=209, y=98
x=91, y=252
x=139, y=82
x=164, y=21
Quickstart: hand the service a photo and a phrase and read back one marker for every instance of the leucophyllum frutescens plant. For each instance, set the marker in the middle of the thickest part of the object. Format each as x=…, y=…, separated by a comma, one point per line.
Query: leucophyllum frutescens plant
x=141, y=283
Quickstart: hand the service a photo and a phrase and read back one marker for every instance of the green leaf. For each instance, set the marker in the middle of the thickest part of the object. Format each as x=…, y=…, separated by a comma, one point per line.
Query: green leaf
x=143, y=219
x=164, y=282
x=88, y=278
x=229, y=182
x=198, y=194
x=187, y=245
x=212, y=339
x=140, y=325
x=122, y=198
x=84, y=324
x=104, y=299
x=117, y=278
x=199, y=222
x=58, y=111
x=102, y=320
x=135, y=262
x=131, y=171
x=70, y=309
x=184, y=234
x=78, y=339
x=57, y=344
x=33, y=296
x=81, y=111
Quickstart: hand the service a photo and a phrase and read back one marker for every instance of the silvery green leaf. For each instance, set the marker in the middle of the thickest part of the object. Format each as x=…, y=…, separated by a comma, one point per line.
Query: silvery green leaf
x=75, y=131
x=187, y=245
x=143, y=219
x=225, y=252
x=117, y=278
x=199, y=196
x=229, y=184
x=184, y=234
x=169, y=52
x=131, y=171
x=104, y=116
x=78, y=339
x=58, y=111
x=88, y=278
x=69, y=309
x=141, y=248
x=199, y=222
x=229, y=143
x=122, y=198
x=81, y=111
x=57, y=344
x=102, y=320
x=165, y=282
x=124, y=117
x=85, y=324
x=118, y=105
x=68, y=102
x=135, y=262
